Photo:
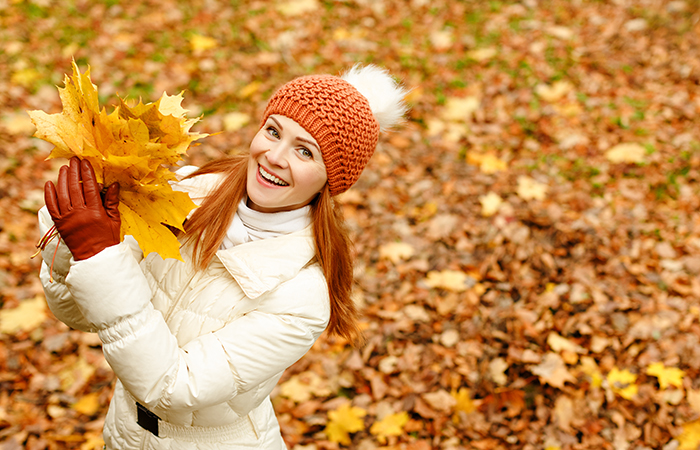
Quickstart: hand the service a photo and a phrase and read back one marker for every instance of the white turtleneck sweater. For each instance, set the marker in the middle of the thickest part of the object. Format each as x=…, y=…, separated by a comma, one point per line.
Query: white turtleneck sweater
x=250, y=225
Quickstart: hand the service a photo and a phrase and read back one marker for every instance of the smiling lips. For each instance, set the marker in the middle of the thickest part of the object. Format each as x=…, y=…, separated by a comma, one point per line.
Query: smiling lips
x=271, y=178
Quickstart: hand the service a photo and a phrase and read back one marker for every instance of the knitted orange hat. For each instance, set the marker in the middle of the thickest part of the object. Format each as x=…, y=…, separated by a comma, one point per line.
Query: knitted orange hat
x=338, y=116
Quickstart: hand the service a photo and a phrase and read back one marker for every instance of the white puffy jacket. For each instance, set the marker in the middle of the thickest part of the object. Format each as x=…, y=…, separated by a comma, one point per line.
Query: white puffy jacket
x=200, y=350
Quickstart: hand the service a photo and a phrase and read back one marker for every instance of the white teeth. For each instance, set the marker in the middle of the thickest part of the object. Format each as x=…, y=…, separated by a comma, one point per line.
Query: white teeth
x=271, y=178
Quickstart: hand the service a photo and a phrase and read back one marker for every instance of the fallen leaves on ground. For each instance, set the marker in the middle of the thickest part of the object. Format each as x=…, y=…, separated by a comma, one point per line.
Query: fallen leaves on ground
x=527, y=241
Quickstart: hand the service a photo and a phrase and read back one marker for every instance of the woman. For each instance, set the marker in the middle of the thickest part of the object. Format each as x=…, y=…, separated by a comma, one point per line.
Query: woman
x=198, y=345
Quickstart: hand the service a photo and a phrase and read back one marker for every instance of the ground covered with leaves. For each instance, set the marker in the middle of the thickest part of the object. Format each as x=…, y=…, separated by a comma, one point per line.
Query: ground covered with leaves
x=528, y=242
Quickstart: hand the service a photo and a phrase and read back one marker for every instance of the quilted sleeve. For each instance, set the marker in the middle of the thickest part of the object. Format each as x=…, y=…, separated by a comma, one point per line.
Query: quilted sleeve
x=249, y=352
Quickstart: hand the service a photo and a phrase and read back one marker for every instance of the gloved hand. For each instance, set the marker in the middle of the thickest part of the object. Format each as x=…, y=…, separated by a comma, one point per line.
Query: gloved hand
x=86, y=225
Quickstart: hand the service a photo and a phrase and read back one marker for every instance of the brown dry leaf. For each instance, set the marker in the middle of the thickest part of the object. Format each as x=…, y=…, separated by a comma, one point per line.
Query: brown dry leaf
x=441, y=39
x=293, y=8
x=554, y=92
x=452, y=280
x=564, y=412
x=497, y=368
x=440, y=400
x=553, y=371
x=482, y=54
x=530, y=189
x=693, y=396
x=490, y=204
x=558, y=344
x=459, y=109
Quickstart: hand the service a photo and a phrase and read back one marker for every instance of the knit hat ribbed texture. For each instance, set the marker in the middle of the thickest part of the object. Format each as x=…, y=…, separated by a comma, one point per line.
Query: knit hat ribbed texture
x=338, y=117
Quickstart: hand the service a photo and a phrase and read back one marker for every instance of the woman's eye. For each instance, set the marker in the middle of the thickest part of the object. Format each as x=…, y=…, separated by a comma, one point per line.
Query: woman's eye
x=306, y=153
x=273, y=132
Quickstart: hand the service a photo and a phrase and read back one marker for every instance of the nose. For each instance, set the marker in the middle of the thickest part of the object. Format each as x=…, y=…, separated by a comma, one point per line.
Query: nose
x=277, y=155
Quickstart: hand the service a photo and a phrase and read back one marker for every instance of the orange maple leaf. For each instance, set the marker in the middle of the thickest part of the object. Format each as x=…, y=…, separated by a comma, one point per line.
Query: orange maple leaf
x=131, y=146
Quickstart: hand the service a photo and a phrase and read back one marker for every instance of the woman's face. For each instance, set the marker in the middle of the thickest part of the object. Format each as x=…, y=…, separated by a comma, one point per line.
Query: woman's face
x=285, y=169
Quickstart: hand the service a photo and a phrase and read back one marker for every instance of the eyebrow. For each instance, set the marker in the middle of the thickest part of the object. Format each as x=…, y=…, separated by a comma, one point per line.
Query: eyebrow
x=309, y=142
x=278, y=124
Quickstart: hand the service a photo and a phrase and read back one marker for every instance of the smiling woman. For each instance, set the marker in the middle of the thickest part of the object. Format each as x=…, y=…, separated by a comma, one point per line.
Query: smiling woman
x=198, y=345
x=286, y=169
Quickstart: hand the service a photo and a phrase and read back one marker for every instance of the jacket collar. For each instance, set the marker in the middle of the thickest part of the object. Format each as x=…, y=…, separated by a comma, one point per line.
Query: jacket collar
x=260, y=266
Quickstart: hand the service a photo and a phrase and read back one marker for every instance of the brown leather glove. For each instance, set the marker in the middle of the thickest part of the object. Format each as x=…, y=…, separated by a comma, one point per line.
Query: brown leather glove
x=86, y=224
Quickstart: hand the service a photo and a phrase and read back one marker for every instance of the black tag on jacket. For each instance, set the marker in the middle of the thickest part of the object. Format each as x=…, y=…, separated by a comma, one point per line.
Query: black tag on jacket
x=146, y=419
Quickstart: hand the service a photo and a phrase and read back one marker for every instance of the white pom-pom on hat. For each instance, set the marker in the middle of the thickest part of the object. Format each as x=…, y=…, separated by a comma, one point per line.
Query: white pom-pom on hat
x=384, y=94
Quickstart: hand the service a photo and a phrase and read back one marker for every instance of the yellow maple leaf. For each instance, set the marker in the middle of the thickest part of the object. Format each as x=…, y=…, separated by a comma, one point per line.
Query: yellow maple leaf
x=488, y=163
x=78, y=371
x=250, y=89
x=590, y=368
x=460, y=109
x=131, y=146
x=689, y=439
x=396, y=251
x=25, y=77
x=667, y=376
x=88, y=404
x=303, y=386
x=343, y=421
x=93, y=441
x=201, y=43
x=464, y=402
x=622, y=382
x=27, y=316
x=234, y=121
x=391, y=425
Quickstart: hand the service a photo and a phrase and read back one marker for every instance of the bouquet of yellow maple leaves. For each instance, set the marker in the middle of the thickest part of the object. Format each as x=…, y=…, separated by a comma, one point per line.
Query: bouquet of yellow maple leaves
x=132, y=146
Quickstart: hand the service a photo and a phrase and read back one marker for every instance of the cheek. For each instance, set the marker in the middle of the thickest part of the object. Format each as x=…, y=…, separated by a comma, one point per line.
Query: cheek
x=252, y=168
x=317, y=180
x=257, y=145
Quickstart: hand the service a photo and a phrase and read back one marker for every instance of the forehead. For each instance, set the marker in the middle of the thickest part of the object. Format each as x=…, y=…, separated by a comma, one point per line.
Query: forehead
x=290, y=125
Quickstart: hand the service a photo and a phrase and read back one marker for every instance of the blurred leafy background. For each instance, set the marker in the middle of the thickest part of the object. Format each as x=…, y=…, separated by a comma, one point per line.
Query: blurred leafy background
x=527, y=240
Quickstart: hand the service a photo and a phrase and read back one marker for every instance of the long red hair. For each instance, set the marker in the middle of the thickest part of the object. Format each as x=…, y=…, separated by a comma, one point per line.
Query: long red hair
x=207, y=227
